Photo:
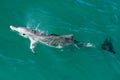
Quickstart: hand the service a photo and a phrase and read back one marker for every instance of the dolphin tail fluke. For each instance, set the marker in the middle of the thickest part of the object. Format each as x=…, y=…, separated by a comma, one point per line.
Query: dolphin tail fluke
x=82, y=44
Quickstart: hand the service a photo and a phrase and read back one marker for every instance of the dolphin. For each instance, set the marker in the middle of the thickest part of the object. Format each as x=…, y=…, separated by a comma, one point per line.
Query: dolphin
x=52, y=40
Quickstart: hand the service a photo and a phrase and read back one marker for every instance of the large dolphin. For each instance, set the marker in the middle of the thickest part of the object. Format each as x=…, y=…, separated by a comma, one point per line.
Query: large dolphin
x=51, y=40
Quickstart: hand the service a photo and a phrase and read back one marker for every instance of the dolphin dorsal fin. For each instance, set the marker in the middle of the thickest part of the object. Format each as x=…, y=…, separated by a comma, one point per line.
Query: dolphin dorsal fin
x=68, y=36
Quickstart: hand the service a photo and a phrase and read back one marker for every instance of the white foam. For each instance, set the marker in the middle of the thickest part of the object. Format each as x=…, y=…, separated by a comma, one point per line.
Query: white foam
x=89, y=45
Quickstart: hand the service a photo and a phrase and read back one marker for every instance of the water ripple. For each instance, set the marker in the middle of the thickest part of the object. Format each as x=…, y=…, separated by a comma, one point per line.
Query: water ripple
x=85, y=3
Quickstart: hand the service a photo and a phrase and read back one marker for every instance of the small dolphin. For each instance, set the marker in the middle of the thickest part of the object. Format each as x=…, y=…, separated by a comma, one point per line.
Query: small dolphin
x=51, y=40
x=108, y=46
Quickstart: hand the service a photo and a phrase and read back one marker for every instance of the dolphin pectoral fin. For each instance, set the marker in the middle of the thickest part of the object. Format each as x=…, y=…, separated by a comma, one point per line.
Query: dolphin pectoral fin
x=32, y=45
x=76, y=46
x=59, y=46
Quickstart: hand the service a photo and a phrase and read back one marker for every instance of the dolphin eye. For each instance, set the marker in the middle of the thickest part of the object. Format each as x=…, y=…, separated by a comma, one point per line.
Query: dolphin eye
x=23, y=34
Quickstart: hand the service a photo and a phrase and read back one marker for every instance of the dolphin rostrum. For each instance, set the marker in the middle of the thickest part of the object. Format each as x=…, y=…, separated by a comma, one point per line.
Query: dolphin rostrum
x=51, y=40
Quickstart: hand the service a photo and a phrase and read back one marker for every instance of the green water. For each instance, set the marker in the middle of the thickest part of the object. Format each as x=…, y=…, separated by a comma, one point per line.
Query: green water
x=89, y=20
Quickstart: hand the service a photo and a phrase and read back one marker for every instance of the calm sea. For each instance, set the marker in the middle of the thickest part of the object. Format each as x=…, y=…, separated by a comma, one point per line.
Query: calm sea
x=89, y=20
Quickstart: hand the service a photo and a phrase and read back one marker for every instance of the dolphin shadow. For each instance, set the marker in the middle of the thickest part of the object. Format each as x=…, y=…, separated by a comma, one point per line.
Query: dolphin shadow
x=108, y=46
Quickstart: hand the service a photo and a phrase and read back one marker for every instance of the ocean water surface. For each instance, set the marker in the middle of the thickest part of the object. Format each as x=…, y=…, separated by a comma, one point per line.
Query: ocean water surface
x=89, y=20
